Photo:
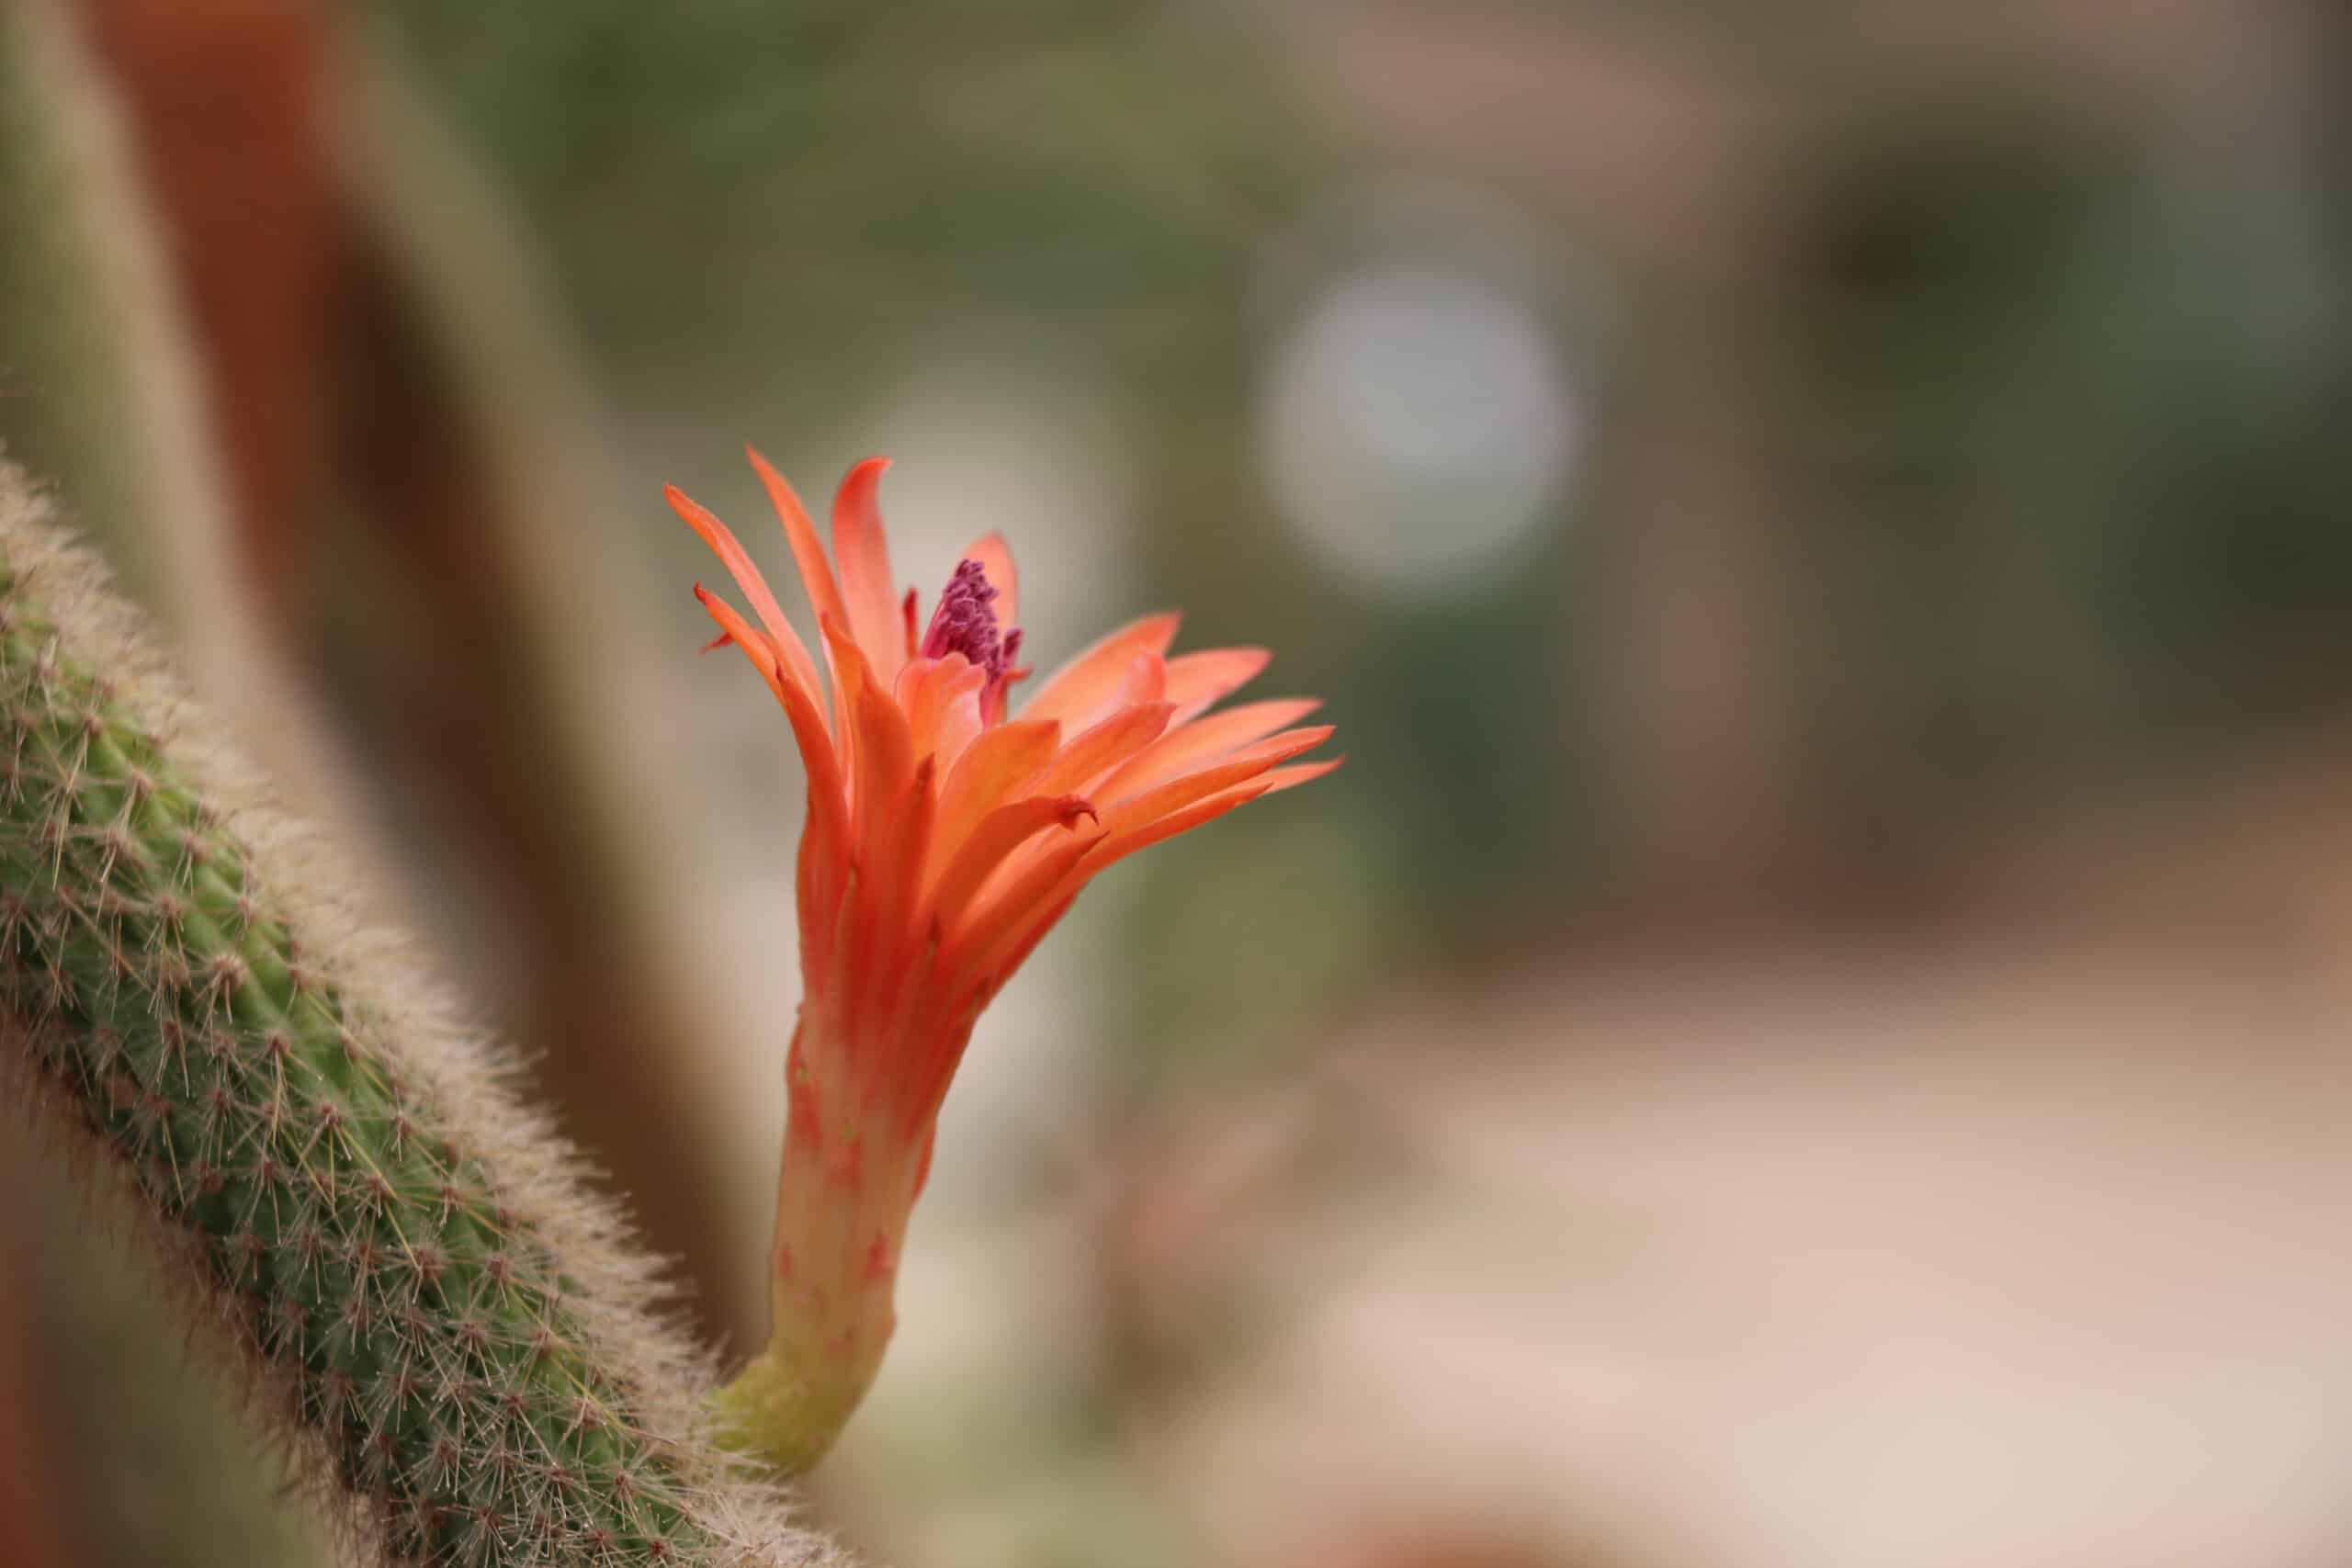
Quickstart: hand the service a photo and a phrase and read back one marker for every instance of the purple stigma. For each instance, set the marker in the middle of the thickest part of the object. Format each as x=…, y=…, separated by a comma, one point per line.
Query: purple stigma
x=964, y=623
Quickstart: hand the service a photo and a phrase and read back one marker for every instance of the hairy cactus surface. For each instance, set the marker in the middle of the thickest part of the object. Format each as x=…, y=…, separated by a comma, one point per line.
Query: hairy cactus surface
x=456, y=1324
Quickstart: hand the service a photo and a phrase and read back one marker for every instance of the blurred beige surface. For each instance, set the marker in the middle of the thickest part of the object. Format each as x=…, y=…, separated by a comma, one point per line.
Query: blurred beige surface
x=2020, y=1244
x=1952, y=1259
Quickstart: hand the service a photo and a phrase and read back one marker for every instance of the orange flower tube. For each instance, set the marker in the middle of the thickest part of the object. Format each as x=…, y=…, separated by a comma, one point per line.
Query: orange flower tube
x=945, y=837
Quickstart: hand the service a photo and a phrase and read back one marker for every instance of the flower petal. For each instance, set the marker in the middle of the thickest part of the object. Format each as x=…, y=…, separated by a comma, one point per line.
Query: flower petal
x=1202, y=742
x=1146, y=681
x=1001, y=936
x=808, y=550
x=1024, y=897
x=1149, y=805
x=998, y=761
x=1079, y=691
x=882, y=772
x=867, y=590
x=1000, y=833
x=884, y=755
x=1003, y=906
x=894, y=887
x=934, y=694
x=1092, y=752
x=954, y=977
x=828, y=805
x=1090, y=755
x=960, y=722
x=746, y=572
x=1123, y=835
x=1117, y=846
x=1197, y=682
x=1297, y=774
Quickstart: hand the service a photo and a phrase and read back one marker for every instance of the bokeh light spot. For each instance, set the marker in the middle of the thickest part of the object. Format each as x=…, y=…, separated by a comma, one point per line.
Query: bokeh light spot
x=1416, y=423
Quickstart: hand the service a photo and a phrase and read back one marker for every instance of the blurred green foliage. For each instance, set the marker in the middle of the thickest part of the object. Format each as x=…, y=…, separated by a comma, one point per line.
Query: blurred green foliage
x=2074, y=407
x=765, y=203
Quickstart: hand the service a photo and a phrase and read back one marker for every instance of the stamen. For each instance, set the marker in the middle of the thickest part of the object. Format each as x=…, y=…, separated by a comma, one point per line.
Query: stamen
x=965, y=623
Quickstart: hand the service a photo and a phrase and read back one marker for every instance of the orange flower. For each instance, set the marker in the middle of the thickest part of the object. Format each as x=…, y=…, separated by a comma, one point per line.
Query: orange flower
x=943, y=840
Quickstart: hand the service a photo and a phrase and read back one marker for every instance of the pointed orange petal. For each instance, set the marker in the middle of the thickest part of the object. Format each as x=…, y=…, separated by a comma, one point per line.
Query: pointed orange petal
x=1003, y=905
x=1092, y=752
x=873, y=976
x=881, y=773
x=816, y=570
x=908, y=692
x=1014, y=946
x=1118, y=846
x=746, y=572
x=808, y=550
x=913, y=676
x=826, y=797
x=863, y=552
x=898, y=863
x=996, y=560
x=1151, y=804
x=1018, y=913
x=821, y=868
x=983, y=968
x=1124, y=834
x=1281, y=748
x=884, y=754
x=1000, y=761
x=1198, y=680
x=1202, y=742
x=1006, y=962
x=1297, y=774
x=1079, y=691
x=956, y=972
x=1146, y=679
x=1148, y=818
x=850, y=677
x=1017, y=942
x=960, y=723
x=998, y=834
x=1130, y=795
x=858, y=689
x=928, y=693
x=1003, y=933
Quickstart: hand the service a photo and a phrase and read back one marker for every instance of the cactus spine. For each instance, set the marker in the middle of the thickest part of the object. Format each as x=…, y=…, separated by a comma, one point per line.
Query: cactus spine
x=467, y=1344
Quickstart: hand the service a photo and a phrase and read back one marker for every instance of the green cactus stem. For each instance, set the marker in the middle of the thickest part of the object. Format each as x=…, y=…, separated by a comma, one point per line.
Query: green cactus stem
x=458, y=1328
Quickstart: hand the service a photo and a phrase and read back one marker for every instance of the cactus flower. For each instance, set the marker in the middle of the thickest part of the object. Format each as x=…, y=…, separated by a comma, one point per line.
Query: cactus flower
x=945, y=835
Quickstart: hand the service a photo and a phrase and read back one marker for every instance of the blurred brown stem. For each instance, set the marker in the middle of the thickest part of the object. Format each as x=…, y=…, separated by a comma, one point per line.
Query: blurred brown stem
x=29, y=1535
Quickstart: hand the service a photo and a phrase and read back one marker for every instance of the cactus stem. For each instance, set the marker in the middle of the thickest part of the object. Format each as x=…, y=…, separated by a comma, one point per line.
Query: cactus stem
x=466, y=1339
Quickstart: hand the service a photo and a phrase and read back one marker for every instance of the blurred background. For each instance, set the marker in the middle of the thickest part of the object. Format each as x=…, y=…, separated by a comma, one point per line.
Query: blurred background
x=1813, y=1028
